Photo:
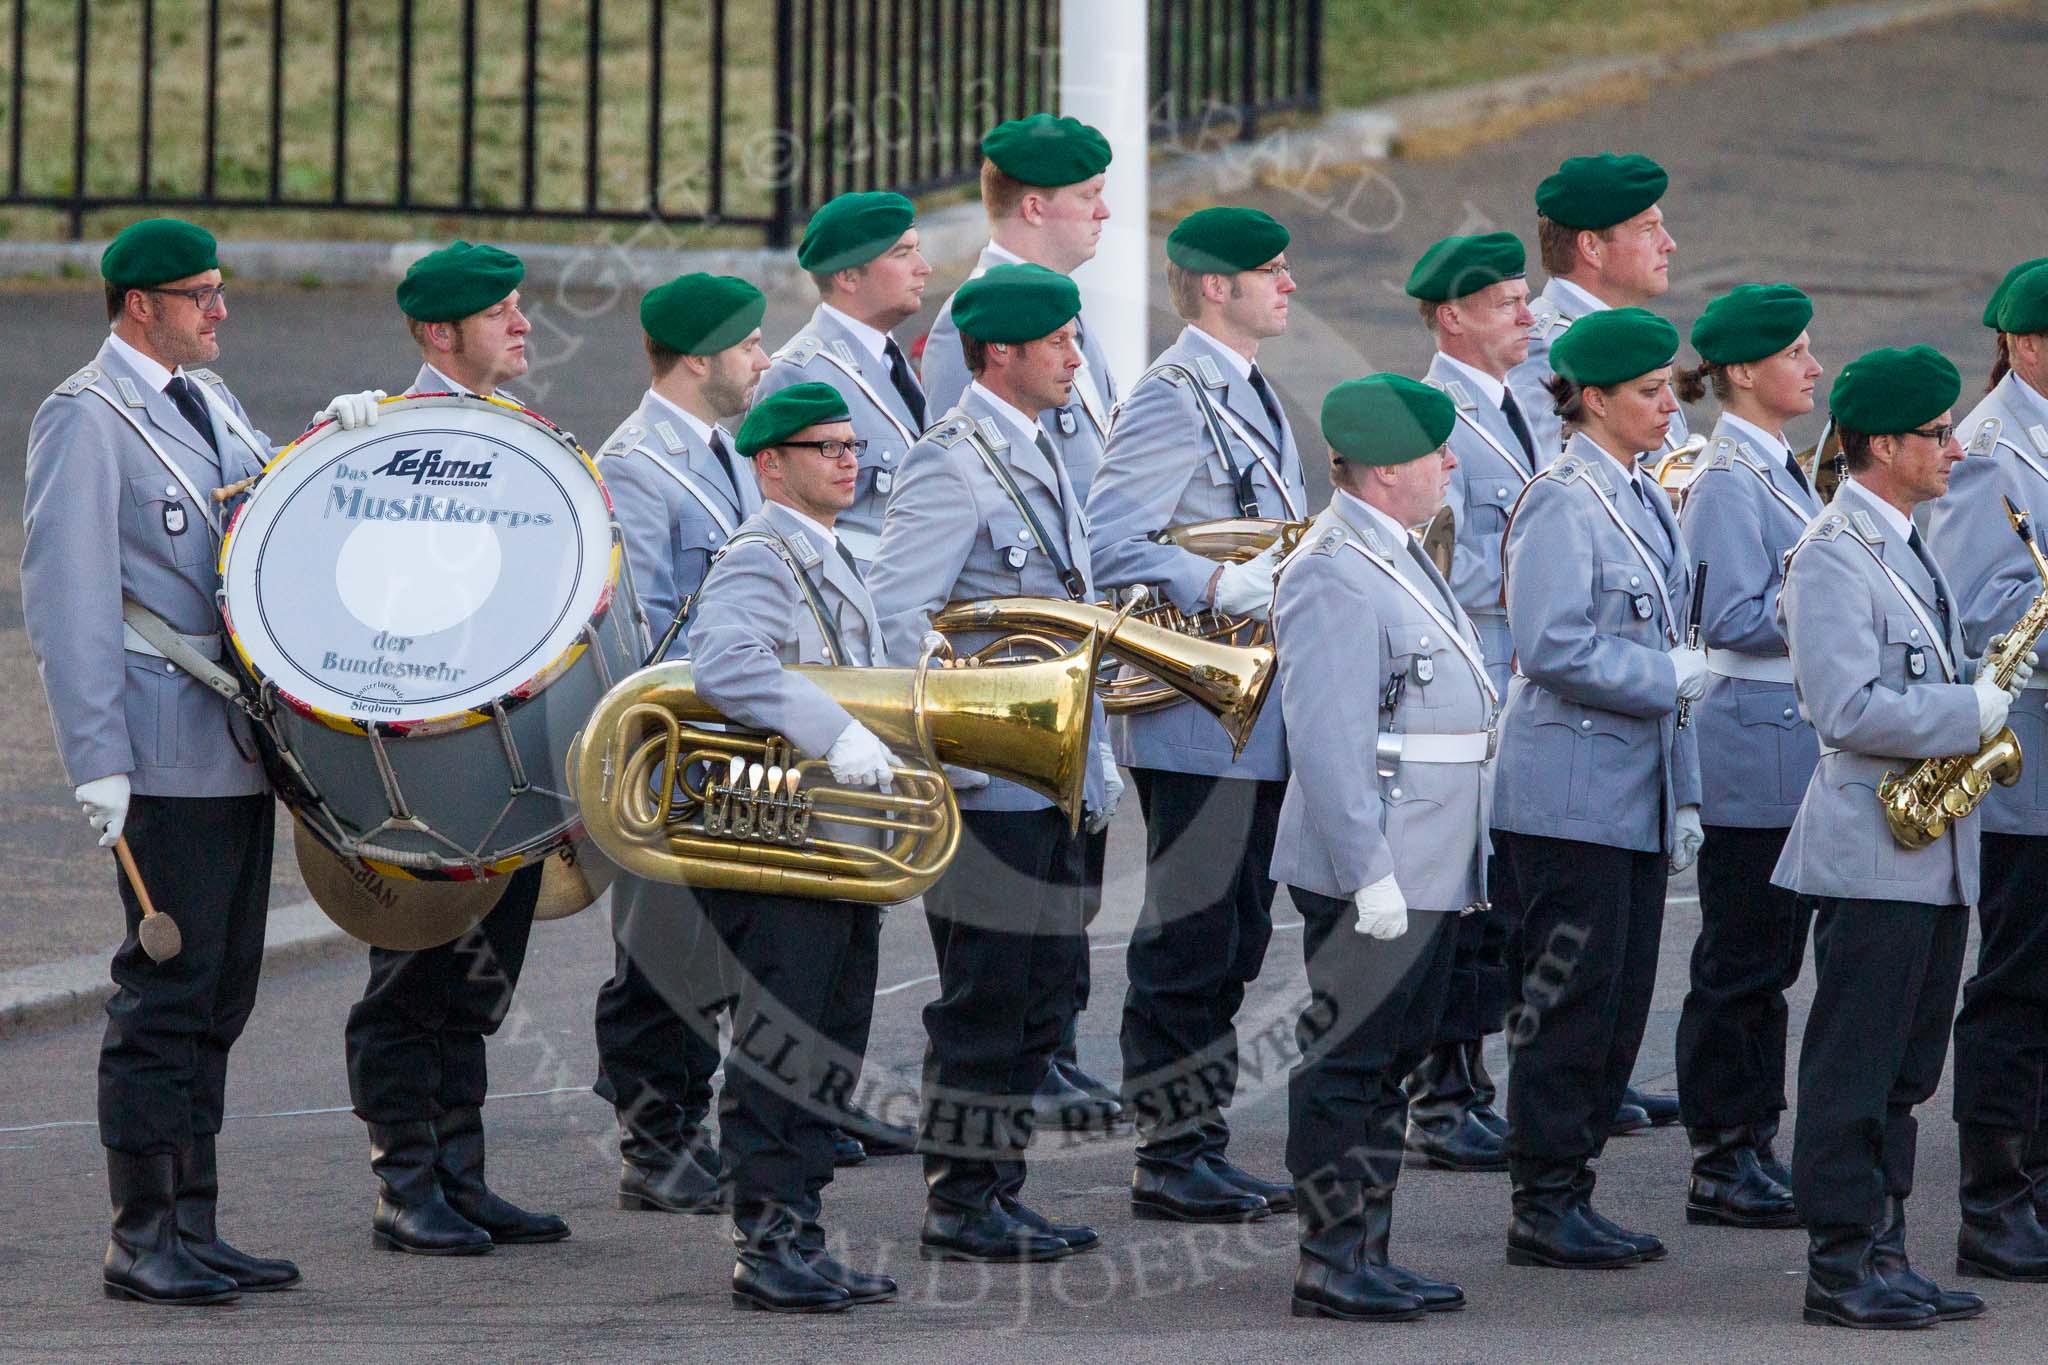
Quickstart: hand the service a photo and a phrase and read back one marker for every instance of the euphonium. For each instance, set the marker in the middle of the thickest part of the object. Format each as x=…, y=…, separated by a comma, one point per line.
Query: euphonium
x=1229, y=681
x=737, y=810
x=1229, y=540
x=1823, y=464
x=1920, y=806
x=1676, y=469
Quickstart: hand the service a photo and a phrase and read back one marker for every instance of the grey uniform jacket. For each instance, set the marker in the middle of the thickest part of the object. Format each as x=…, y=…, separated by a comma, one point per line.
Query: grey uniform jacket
x=1491, y=473
x=1589, y=745
x=1879, y=692
x=953, y=534
x=1161, y=469
x=826, y=352
x=1077, y=430
x=1995, y=580
x=1344, y=626
x=105, y=518
x=1741, y=514
x=675, y=506
x=1556, y=309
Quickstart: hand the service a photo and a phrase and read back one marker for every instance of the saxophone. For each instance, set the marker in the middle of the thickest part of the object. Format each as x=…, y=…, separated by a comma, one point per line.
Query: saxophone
x=1920, y=806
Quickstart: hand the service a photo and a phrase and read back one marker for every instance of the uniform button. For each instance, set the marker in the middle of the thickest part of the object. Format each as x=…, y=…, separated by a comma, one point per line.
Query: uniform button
x=170, y=490
x=1634, y=582
x=888, y=455
x=1585, y=725
x=1500, y=492
x=170, y=668
x=1395, y=793
x=1916, y=634
x=1024, y=536
x=1788, y=713
x=1422, y=642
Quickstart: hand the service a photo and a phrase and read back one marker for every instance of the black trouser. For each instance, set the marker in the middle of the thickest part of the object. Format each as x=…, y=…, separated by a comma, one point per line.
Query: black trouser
x=1476, y=996
x=415, y=1040
x=1752, y=943
x=1094, y=856
x=164, y=1062
x=2002, y=1033
x=1374, y=1007
x=1006, y=926
x=1200, y=941
x=1885, y=975
x=1591, y=916
x=800, y=975
x=657, y=1017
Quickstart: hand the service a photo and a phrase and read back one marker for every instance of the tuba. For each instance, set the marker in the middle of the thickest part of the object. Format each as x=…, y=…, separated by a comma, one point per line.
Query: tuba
x=669, y=799
x=1439, y=538
x=1678, y=467
x=1920, y=806
x=1229, y=540
x=1230, y=681
x=1824, y=465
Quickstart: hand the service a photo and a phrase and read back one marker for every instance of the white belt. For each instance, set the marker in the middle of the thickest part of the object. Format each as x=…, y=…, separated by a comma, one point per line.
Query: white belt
x=207, y=646
x=860, y=544
x=1755, y=667
x=1471, y=748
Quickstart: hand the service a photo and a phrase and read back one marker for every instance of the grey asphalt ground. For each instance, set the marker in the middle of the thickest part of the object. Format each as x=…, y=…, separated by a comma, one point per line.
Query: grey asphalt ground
x=1893, y=179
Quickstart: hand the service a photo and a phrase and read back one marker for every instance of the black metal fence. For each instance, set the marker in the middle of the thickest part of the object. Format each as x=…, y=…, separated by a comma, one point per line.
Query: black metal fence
x=743, y=113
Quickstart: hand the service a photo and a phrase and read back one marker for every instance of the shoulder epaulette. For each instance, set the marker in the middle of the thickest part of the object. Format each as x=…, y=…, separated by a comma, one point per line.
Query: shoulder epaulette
x=1985, y=438
x=1567, y=468
x=1173, y=375
x=1330, y=542
x=622, y=440
x=799, y=352
x=1721, y=454
x=1547, y=318
x=205, y=376
x=77, y=383
x=951, y=432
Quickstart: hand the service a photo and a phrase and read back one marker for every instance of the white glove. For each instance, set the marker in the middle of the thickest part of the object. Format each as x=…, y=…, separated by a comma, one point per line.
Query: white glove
x=1686, y=848
x=964, y=779
x=858, y=759
x=105, y=803
x=1993, y=702
x=1112, y=791
x=1382, y=909
x=1692, y=672
x=2021, y=672
x=352, y=410
x=1247, y=589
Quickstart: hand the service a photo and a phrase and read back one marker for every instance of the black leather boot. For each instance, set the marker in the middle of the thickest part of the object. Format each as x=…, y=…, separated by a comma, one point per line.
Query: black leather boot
x=1629, y=1118
x=2034, y=1161
x=965, y=1217
x=1550, y=1229
x=847, y=1150
x=1888, y=1258
x=1484, y=1092
x=1279, y=1197
x=1843, y=1289
x=1060, y=1105
x=198, y=1196
x=1651, y=1247
x=769, y=1271
x=1762, y=1136
x=1194, y=1194
x=860, y=1286
x=459, y=1166
x=1077, y=1236
x=1438, y=1296
x=1444, y=1130
x=1729, y=1187
x=878, y=1138
x=660, y=1170
x=1335, y=1278
x=1660, y=1108
x=2001, y=1237
x=412, y=1214
x=146, y=1258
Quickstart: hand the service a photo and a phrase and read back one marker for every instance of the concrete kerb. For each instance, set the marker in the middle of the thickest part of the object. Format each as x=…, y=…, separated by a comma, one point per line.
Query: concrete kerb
x=54, y=994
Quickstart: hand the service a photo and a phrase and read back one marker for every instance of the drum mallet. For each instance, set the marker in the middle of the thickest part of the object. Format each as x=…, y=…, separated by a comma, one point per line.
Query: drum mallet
x=159, y=934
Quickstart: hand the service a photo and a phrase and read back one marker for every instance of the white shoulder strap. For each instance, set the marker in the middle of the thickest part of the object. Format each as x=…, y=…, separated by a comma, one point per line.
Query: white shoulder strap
x=204, y=504
x=235, y=423
x=1642, y=553
x=852, y=372
x=704, y=497
x=1444, y=623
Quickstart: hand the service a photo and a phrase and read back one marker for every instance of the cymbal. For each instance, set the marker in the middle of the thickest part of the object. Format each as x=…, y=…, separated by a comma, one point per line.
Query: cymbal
x=574, y=875
x=388, y=912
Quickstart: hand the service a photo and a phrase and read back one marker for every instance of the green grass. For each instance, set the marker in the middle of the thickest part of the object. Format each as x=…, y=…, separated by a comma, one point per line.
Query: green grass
x=1374, y=50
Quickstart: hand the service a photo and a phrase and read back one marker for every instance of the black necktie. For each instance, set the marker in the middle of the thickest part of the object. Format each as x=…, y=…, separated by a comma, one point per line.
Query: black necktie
x=1052, y=458
x=906, y=387
x=847, y=555
x=193, y=407
x=725, y=459
x=1798, y=474
x=1519, y=425
x=1271, y=404
x=1919, y=549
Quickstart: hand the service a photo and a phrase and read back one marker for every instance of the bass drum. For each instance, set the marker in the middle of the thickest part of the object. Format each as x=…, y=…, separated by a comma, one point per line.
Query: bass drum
x=429, y=608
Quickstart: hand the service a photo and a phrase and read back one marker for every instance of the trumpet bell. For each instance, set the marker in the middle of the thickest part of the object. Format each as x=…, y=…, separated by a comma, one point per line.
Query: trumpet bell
x=1676, y=470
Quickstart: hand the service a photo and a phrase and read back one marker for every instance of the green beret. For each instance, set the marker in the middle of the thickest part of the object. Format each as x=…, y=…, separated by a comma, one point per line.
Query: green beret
x=1613, y=346
x=785, y=412
x=1749, y=322
x=1047, y=151
x=1223, y=241
x=2024, y=311
x=1998, y=294
x=702, y=314
x=853, y=229
x=458, y=281
x=1457, y=266
x=1599, y=191
x=1386, y=419
x=1889, y=391
x=155, y=250
x=1015, y=303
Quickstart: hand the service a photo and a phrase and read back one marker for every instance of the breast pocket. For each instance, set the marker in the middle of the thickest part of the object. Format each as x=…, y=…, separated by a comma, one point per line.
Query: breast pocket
x=1770, y=722
x=1015, y=556
x=1422, y=652
x=1488, y=501
x=164, y=523
x=1628, y=599
x=1588, y=749
x=878, y=467
x=1910, y=646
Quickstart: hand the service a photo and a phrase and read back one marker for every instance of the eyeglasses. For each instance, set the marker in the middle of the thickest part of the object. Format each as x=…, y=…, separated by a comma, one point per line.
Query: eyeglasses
x=832, y=450
x=1272, y=272
x=1938, y=434
x=207, y=297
